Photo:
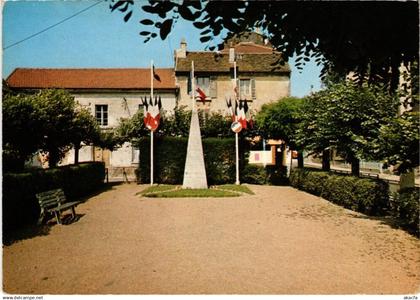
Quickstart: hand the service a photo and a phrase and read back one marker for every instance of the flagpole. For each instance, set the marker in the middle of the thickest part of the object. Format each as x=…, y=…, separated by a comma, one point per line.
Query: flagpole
x=151, y=131
x=236, y=134
x=192, y=86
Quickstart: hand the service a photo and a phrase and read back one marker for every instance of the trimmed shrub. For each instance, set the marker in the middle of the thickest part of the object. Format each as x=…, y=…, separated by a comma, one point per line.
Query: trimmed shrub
x=369, y=196
x=169, y=159
x=255, y=174
x=219, y=158
x=405, y=207
x=20, y=206
x=170, y=154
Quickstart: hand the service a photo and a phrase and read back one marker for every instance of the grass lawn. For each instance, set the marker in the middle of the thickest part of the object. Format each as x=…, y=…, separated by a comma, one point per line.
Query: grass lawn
x=235, y=188
x=158, y=188
x=174, y=191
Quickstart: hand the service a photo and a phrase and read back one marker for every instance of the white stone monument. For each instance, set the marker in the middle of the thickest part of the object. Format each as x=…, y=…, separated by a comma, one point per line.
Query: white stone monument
x=195, y=170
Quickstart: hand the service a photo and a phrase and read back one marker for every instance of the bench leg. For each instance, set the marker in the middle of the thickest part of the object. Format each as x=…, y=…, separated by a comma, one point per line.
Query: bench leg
x=41, y=217
x=57, y=217
x=73, y=212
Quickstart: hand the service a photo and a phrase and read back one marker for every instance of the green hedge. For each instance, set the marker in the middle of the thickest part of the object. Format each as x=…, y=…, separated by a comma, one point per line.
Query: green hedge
x=369, y=196
x=255, y=174
x=20, y=206
x=170, y=154
x=219, y=158
x=169, y=160
x=405, y=207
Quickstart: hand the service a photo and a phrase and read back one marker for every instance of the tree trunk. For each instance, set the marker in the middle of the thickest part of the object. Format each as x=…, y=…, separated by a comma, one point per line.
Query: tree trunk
x=300, y=160
x=53, y=158
x=76, y=153
x=326, y=160
x=355, y=166
x=407, y=180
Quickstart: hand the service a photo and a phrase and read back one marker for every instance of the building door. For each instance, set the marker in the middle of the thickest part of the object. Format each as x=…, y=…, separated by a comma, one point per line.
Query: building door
x=102, y=155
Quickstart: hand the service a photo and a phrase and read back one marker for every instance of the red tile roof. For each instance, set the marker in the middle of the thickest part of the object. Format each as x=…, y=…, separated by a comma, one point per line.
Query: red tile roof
x=90, y=78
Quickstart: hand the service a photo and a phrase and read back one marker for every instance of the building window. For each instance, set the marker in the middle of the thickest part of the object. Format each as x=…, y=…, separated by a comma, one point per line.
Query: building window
x=204, y=84
x=245, y=88
x=101, y=113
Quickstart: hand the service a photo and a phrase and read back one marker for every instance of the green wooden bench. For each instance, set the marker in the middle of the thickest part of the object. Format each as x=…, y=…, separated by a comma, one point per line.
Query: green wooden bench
x=54, y=201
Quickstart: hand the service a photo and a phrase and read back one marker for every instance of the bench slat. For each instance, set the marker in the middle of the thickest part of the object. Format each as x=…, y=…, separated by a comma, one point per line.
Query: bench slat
x=55, y=201
x=65, y=206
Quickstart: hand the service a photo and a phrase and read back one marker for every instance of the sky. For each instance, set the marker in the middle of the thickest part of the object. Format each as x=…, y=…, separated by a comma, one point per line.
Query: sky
x=97, y=38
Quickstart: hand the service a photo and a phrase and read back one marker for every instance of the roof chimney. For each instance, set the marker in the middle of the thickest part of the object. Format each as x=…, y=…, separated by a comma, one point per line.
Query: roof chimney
x=231, y=54
x=182, y=52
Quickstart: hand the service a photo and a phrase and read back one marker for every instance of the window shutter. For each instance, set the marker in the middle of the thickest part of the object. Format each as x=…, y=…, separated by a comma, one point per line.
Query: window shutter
x=189, y=85
x=213, y=87
x=253, y=89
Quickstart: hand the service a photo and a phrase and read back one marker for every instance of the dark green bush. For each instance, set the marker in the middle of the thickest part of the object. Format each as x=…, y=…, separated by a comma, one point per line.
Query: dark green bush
x=169, y=160
x=219, y=158
x=255, y=174
x=366, y=195
x=405, y=207
x=170, y=154
x=20, y=206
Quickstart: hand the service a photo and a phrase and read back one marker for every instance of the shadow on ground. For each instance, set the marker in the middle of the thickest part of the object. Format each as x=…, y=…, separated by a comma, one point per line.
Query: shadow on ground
x=390, y=221
x=33, y=230
x=25, y=233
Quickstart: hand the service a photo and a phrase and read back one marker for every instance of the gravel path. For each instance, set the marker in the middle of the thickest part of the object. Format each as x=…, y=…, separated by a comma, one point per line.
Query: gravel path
x=279, y=241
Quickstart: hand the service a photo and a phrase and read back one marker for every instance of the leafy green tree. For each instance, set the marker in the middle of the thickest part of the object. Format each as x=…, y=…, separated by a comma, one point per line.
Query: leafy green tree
x=56, y=109
x=22, y=130
x=370, y=39
x=172, y=124
x=347, y=117
x=130, y=129
x=399, y=141
x=176, y=124
x=280, y=120
x=215, y=125
x=409, y=90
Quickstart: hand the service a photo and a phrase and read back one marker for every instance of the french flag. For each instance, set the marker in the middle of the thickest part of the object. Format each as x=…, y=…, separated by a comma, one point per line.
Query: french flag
x=151, y=113
x=201, y=95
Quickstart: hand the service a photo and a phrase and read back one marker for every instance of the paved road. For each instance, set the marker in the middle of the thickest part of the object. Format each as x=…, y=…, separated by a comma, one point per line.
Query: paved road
x=279, y=241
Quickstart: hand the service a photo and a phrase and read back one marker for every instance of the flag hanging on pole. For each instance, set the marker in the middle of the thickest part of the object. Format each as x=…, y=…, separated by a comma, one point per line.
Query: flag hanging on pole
x=155, y=75
x=241, y=119
x=231, y=112
x=201, y=95
x=151, y=113
x=243, y=108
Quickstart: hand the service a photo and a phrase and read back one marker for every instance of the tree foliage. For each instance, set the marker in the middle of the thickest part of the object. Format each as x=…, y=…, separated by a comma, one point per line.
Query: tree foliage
x=22, y=130
x=280, y=120
x=175, y=124
x=347, y=117
x=56, y=109
x=45, y=121
x=399, y=141
x=369, y=38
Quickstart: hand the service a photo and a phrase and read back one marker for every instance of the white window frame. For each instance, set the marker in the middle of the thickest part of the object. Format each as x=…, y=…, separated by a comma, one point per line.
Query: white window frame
x=101, y=114
x=245, y=92
x=204, y=83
